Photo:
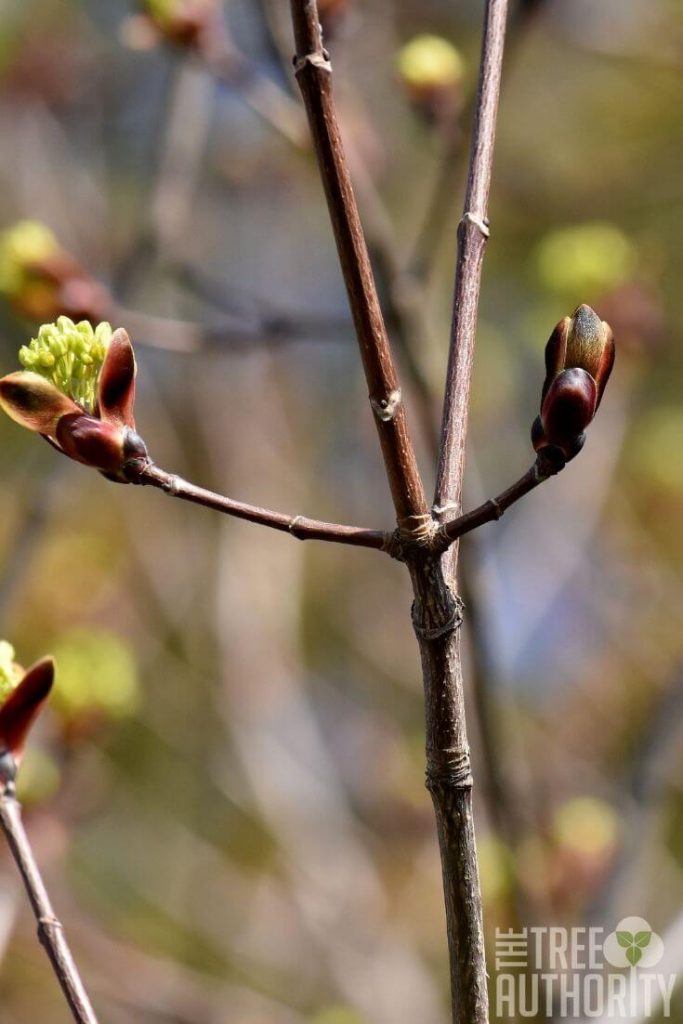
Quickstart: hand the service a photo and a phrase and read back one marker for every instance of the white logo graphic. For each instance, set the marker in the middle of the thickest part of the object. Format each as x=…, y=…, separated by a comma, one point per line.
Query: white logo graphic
x=573, y=973
x=633, y=944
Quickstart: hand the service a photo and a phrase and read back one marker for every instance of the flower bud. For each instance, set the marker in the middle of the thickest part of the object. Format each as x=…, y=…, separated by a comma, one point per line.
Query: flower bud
x=584, y=341
x=579, y=357
x=91, y=441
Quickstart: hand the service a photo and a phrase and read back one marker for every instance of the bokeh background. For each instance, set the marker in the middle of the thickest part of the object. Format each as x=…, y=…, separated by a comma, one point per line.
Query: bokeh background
x=227, y=791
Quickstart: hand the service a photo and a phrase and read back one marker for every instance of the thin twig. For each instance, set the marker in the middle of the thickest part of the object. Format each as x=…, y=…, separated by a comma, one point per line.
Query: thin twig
x=436, y=217
x=50, y=930
x=300, y=527
x=313, y=72
x=473, y=232
x=493, y=508
x=449, y=776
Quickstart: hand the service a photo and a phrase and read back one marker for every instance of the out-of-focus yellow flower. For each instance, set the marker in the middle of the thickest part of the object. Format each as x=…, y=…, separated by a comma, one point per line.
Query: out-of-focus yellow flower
x=659, y=434
x=40, y=279
x=39, y=778
x=431, y=72
x=23, y=246
x=429, y=62
x=586, y=825
x=97, y=673
x=495, y=868
x=586, y=259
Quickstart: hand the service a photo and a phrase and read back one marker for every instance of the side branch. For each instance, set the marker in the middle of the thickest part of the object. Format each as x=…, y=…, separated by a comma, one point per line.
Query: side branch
x=472, y=235
x=300, y=527
x=313, y=71
x=494, y=507
x=50, y=931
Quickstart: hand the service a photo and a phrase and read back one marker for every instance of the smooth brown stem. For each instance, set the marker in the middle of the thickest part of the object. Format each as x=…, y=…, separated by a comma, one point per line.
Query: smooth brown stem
x=300, y=527
x=472, y=235
x=313, y=72
x=50, y=930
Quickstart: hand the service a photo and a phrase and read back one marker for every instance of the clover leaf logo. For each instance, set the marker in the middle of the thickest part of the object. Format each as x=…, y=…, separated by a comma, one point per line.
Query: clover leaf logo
x=633, y=943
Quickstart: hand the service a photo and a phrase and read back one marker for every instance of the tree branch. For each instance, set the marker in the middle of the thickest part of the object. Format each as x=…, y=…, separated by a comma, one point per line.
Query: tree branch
x=437, y=610
x=494, y=507
x=472, y=235
x=50, y=930
x=300, y=527
x=313, y=72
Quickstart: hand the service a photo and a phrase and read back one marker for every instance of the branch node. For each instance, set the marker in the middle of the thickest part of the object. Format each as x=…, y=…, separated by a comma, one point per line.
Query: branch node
x=395, y=545
x=498, y=510
x=480, y=223
x=45, y=923
x=434, y=632
x=417, y=530
x=448, y=769
x=320, y=61
x=448, y=506
x=385, y=409
x=294, y=525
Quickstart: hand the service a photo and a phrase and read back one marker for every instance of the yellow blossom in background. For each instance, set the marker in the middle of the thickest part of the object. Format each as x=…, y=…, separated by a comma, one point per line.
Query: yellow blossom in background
x=39, y=778
x=585, y=260
x=429, y=62
x=495, y=868
x=22, y=245
x=586, y=824
x=97, y=673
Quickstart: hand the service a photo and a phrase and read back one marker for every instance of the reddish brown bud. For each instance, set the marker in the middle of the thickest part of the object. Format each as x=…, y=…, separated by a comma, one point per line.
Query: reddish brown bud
x=91, y=441
x=34, y=402
x=579, y=357
x=567, y=409
x=22, y=706
x=583, y=341
x=116, y=385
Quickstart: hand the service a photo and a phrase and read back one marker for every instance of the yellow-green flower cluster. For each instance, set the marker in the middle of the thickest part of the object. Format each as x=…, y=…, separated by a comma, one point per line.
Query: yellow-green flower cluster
x=10, y=672
x=70, y=356
x=21, y=246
